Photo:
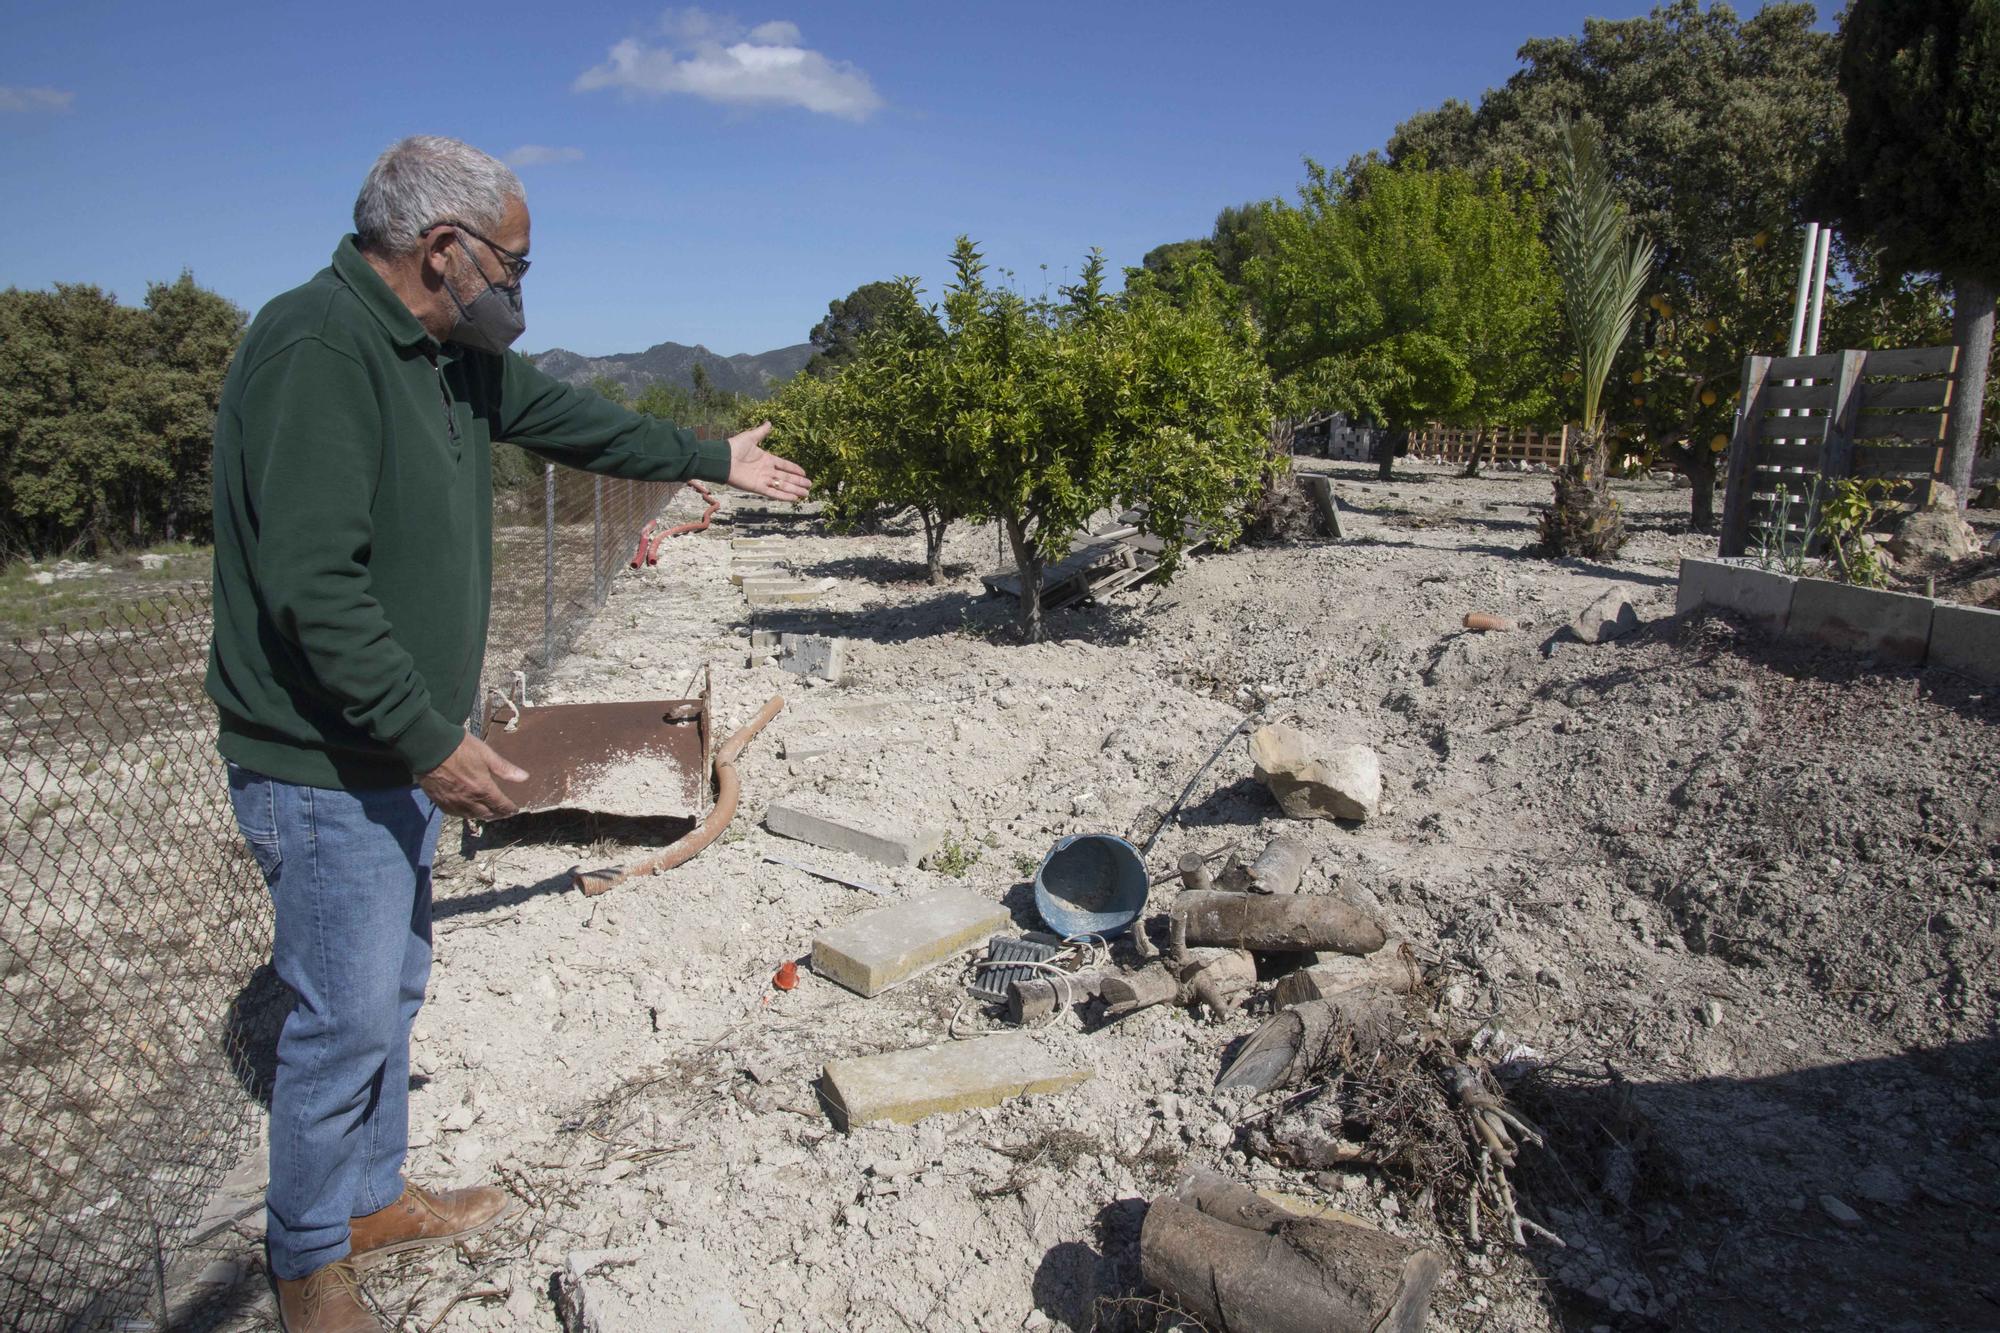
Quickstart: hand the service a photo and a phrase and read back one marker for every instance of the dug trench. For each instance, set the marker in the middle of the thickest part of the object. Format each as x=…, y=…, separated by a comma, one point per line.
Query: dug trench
x=1720, y=911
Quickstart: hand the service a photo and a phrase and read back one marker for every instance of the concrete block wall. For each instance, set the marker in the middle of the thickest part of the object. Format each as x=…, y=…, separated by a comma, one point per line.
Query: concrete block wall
x=1894, y=626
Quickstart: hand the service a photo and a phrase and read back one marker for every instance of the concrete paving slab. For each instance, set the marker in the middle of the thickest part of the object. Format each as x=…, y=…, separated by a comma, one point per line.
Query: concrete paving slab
x=902, y=1087
x=872, y=952
x=873, y=837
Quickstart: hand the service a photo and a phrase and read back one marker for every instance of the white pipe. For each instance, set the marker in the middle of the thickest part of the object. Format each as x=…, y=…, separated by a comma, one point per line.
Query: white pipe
x=1805, y=281
x=1819, y=290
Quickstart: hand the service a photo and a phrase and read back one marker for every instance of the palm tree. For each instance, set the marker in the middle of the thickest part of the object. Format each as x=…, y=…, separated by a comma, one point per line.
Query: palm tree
x=1602, y=267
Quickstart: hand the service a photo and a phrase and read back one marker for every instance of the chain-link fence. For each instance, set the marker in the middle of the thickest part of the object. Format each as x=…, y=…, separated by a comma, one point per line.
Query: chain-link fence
x=557, y=544
x=138, y=1013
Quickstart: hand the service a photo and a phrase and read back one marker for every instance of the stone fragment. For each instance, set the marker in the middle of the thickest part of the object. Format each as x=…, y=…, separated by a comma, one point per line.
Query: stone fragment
x=1610, y=617
x=1933, y=537
x=1839, y=1211
x=1345, y=784
x=872, y=952
x=905, y=1086
x=1879, y=1183
x=864, y=836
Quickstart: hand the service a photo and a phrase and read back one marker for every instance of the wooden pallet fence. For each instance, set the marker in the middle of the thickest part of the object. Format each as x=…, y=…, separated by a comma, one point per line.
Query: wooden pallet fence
x=1508, y=444
x=1809, y=421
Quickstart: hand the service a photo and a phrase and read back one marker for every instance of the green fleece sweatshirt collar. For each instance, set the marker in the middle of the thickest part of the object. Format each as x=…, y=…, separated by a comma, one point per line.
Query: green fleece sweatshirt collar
x=403, y=328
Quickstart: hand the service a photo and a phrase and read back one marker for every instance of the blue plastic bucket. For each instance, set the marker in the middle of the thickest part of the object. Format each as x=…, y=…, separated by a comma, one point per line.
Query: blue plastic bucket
x=1091, y=884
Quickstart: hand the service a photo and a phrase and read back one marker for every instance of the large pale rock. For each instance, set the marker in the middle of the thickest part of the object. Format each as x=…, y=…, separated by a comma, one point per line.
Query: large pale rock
x=1609, y=617
x=1934, y=536
x=1344, y=783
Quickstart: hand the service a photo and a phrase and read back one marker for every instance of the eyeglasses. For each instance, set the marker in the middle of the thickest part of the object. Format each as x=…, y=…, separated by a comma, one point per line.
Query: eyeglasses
x=514, y=262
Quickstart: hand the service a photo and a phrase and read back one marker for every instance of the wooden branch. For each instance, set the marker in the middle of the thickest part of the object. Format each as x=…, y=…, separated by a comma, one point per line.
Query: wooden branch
x=1297, y=1041
x=1386, y=970
x=1033, y=999
x=1207, y=975
x=1277, y=922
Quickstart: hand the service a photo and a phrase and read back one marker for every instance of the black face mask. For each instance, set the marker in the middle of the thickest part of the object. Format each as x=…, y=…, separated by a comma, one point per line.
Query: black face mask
x=493, y=319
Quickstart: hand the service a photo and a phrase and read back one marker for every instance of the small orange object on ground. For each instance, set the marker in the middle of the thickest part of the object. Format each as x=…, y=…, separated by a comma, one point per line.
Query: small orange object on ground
x=786, y=976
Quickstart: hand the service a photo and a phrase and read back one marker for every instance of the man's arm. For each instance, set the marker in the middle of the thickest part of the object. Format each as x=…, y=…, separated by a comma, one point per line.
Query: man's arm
x=312, y=458
x=578, y=428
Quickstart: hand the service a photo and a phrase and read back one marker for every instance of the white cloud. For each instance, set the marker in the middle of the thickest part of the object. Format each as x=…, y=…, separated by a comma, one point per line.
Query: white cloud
x=716, y=59
x=33, y=99
x=539, y=155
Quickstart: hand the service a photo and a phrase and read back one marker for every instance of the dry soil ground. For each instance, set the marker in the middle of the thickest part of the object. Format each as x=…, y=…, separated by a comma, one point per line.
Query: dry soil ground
x=1730, y=904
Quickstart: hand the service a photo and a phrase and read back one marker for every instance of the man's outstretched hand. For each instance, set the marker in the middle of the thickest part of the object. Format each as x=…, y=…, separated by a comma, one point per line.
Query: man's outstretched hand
x=468, y=783
x=752, y=468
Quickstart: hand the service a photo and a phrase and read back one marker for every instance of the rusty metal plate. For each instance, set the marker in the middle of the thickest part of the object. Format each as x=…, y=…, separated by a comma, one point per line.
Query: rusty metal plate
x=641, y=759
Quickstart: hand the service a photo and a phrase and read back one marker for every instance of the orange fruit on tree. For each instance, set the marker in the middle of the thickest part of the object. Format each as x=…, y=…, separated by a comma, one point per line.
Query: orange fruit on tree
x=1711, y=326
x=1708, y=398
x=1718, y=444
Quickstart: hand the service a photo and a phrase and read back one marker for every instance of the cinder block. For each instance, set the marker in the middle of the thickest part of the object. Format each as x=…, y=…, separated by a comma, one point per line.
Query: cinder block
x=872, y=952
x=1966, y=639
x=863, y=836
x=770, y=573
x=755, y=543
x=1893, y=625
x=815, y=655
x=903, y=1087
x=1758, y=595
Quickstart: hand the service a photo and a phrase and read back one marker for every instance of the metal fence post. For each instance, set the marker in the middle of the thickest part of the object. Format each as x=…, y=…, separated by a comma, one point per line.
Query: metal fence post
x=548, y=566
x=599, y=581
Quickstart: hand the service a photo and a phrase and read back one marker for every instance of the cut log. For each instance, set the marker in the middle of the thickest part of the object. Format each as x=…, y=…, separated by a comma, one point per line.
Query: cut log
x=1277, y=923
x=1210, y=975
x=1307, y=1275
x=1033, y=999
x=1296, y=1041
x=1385, y=969
x=1194, y=872
x=1279, y=868
x=1139, y=990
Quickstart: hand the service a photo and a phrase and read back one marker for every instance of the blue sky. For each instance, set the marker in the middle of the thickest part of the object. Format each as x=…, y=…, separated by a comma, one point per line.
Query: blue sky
x=708, y=176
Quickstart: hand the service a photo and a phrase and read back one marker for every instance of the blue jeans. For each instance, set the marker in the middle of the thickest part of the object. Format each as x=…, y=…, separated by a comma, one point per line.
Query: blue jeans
x=350, y=874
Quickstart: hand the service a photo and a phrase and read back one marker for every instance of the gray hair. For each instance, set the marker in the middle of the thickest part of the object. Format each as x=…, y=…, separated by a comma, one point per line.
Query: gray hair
x=424, y=180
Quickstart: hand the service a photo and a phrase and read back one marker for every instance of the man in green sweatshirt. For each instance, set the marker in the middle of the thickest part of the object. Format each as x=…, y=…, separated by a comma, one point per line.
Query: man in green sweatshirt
x=353, y=529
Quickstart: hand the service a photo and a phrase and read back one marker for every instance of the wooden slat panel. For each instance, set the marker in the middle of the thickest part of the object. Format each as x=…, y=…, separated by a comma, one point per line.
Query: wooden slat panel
x=1792, y=428
x=1879, y=460
x=1788, y=455
x=1906, y=394
x=1797, y=395
x=1911, y=361
x=1820, y=367
x=1921, y=427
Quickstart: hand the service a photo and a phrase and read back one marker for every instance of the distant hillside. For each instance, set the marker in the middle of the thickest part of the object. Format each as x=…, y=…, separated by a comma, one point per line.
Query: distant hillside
x=755, y=375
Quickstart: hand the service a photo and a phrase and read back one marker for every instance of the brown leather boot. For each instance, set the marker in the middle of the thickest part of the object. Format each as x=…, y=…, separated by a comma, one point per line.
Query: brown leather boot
x=326, y=1301
x=423, y=1217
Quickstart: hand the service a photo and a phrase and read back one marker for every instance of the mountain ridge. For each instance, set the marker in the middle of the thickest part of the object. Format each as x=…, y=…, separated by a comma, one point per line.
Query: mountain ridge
x=753, y=374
